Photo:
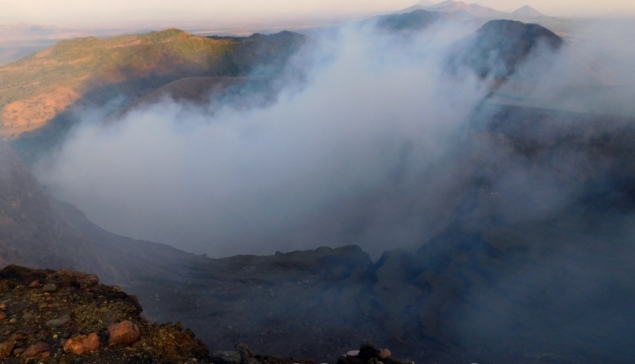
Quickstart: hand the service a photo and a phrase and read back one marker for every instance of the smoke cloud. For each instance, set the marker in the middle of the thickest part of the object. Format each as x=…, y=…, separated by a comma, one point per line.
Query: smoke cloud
x=368, y=150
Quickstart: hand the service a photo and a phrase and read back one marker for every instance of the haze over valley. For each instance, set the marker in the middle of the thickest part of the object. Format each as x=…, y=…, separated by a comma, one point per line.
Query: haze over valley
x=452, y=181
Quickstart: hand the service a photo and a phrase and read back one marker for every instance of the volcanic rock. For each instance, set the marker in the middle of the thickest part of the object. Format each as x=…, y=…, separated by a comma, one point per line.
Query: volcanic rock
x=367, y=354
x=80, y=344
x=6, y=348
x=226, y=357
x=123, y=333
x=59, y=321
x=36, y=349
x=50, y=287
x=92, y=309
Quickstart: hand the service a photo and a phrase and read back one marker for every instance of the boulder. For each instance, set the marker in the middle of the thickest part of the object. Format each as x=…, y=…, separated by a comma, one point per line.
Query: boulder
x=123, y=333
x=80, y=344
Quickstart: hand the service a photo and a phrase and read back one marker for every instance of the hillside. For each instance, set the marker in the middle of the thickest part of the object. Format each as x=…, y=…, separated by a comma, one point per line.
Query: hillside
x=49, y=315
x=37, y=88
x=80, y=320
x=500, y=46
x=43, y=96
x=30, y=231
x=93, y=71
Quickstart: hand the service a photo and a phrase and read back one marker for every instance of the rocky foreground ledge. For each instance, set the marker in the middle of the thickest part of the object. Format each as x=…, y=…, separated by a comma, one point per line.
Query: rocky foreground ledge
x=63, y=316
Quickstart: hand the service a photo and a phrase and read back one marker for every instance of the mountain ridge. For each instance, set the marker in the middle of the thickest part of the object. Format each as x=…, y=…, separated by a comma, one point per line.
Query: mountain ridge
x=91, y=71
x=475, y=10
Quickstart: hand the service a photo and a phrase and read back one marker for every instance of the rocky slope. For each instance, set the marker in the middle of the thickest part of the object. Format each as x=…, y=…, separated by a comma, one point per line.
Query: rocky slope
x=65, y=316
x=500, y=46
x=42, y=96
x=31, y=233
x=93, y=71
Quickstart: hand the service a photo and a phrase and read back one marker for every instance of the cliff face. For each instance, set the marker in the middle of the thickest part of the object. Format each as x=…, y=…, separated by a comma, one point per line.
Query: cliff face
x=31, y=233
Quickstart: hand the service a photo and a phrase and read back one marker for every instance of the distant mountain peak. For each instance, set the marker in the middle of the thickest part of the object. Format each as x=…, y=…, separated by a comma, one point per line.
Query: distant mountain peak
x=451, y=6
x=527, y=12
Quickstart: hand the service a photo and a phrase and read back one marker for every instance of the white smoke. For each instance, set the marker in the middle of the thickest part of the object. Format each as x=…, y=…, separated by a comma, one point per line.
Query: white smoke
x=223, y=183
x=363, y=153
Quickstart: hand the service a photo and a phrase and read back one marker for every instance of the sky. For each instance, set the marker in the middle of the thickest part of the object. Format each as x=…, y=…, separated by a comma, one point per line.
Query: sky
x=137, y=12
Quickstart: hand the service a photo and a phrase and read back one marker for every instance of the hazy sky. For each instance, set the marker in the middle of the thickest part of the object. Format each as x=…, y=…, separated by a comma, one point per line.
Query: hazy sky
x=87, y=12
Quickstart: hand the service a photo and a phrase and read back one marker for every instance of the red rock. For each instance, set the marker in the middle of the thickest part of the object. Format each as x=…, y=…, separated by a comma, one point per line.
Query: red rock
x=16, y=337
x=18, y=351
x=36, y=349
x=6, y=348
x=46, y=354
x=3, y=306
x=384, y=354
x=123, y=333
x=81, y=344
x=3, y=316
x=34, y=284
